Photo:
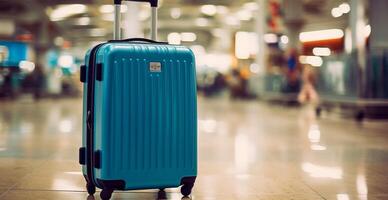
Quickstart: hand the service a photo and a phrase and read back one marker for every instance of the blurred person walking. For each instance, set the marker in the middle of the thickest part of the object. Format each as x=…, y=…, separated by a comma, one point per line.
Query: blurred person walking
x=293, y=71
x=39, y=82
x=308, y=92
x=238, y=84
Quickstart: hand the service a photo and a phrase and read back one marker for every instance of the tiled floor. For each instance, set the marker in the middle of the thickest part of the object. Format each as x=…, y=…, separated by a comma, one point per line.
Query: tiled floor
x=247, y=151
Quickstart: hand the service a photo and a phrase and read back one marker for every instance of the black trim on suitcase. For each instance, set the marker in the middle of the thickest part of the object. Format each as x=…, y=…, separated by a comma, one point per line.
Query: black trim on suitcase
x=188, y=180
x=154, y=3
x=82, y=155
x=112, y=184
x=83, y=73
x=99, y=72
x=97, y=159
x=90, y=114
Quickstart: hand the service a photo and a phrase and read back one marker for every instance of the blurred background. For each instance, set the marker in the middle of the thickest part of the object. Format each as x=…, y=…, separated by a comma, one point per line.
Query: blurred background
x=266, y=71
x=327, y=51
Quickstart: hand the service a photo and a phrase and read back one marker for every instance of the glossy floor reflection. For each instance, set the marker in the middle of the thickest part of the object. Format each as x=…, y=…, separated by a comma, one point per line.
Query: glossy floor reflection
x=247, y=150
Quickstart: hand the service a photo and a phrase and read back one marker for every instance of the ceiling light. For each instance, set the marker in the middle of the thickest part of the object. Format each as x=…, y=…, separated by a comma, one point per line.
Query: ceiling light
x=175, y=13
x=252, y=6
x=270, y=38
x=188, y=37
x=329, y=34
x=64, y=11
x=209, y=10
x=83, y=21
x=244, y=15
x=284, y=39
x=174, y=38
x=321, y=51
x=336, y=12
x=314, y=61
x=344, y=8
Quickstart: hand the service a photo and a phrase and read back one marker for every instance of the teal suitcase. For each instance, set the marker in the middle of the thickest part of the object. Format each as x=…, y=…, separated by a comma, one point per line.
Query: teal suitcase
x=139, y=117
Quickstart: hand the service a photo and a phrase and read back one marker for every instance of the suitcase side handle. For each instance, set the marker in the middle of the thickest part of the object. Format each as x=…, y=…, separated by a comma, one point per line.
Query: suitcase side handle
x=138, y=40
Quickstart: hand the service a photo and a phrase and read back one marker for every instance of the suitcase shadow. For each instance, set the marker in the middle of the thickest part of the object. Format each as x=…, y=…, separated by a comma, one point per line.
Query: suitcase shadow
x=183, y=198
x=159, y=197
x=90, y=197
x=162, y=195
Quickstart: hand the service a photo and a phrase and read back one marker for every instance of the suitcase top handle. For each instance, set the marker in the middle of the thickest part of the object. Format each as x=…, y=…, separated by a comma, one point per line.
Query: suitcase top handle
x=154, y=3
x=138, y=40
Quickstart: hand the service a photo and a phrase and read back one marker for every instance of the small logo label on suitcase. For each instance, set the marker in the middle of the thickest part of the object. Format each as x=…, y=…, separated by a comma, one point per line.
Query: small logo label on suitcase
x=155, y=67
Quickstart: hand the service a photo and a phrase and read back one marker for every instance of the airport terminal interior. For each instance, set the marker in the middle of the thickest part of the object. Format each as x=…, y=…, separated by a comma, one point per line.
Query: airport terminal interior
x=292, y=97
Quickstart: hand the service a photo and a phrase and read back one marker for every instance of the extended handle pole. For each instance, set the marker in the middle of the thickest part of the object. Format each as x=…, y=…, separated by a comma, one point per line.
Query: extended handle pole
x=116, y=22
x=154, y=18
x=154, y=24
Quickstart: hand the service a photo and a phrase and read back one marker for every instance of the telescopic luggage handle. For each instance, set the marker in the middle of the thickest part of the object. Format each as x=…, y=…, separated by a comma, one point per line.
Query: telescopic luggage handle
x=154, y=3
x=154, y=7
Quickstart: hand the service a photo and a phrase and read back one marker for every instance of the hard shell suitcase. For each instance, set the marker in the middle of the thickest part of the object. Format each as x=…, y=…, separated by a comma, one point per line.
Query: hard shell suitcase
x=140, y=115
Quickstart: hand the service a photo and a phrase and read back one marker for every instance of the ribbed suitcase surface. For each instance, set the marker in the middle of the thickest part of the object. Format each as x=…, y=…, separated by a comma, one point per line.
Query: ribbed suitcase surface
x=145, y=121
